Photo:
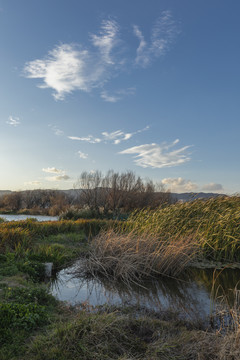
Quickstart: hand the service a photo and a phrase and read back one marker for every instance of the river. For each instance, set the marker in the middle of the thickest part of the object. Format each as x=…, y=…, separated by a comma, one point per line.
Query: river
x=9, y=217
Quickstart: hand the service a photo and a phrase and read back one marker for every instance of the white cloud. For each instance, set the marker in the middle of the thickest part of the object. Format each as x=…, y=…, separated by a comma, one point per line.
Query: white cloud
x=13, y=121
x=82, y=155
x=63, y=70
x=107, y=39
x=163, y=34
x=116, y=137
x=212, y=187
x=179, y=184
x=70, y=67
x=53, y=170
x=35, y=182
x=158, y=156
x=60, y=174
x=58, y=178
x=90, y=139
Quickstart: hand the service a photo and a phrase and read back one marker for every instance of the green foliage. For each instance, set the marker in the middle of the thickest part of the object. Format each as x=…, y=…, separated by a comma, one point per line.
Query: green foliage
x=8, y=266
x=15, y=316
x=55, y=253
x=34, y=269
x=32, y=294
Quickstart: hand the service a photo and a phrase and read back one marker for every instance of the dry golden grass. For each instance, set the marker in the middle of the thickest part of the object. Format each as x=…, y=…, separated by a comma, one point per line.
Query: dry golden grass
x=130, y=257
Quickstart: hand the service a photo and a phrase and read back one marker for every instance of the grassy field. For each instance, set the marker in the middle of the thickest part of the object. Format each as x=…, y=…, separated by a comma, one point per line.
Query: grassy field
x=150, y=243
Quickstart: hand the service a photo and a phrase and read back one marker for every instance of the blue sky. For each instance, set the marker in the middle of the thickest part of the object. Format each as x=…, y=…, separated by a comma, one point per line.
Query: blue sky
x=150, y=86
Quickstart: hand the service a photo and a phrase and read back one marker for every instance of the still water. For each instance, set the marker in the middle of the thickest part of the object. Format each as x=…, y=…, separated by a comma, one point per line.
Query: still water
x=192, y=297
x=25, y=217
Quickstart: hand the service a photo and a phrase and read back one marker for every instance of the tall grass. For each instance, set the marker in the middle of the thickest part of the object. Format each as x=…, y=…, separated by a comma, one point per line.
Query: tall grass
x=11, y=239
x=215, y=223
x=90, y=226
x=131, y=258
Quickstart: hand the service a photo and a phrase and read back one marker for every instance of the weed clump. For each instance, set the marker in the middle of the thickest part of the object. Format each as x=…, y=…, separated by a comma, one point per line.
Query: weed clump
x=131, y=258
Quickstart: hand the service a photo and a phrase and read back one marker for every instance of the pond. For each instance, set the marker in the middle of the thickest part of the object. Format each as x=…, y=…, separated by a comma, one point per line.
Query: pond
x=9, y=217
x=192, y=297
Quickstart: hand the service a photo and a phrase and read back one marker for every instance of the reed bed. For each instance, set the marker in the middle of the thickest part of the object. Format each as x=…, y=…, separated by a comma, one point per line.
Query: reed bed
x=131, y=258
x=214, y=223
x=90, y=226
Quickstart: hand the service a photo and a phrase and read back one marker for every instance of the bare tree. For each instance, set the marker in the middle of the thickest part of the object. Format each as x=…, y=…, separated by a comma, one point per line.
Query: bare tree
x=117, y=192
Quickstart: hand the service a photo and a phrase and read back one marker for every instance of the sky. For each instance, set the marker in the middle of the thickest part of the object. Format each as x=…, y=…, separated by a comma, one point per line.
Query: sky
x=150, y=86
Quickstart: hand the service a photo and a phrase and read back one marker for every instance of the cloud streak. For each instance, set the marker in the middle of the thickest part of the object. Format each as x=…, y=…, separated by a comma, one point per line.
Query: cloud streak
x=163, y=34
x=117, y=95
x=52, y=170
x=13, y=121
x=70, y=67
x=158, y=156
x=90, y=139
x=116, y=137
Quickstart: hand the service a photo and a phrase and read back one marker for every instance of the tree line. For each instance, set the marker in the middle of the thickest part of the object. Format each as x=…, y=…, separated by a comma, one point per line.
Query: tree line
x=110, y=193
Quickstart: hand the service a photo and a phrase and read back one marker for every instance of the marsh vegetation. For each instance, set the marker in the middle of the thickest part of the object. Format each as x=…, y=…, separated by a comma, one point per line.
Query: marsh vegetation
x=150, y=244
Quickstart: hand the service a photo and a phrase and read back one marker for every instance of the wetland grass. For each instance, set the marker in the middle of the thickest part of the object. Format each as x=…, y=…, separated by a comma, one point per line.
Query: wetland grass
x=132, y=258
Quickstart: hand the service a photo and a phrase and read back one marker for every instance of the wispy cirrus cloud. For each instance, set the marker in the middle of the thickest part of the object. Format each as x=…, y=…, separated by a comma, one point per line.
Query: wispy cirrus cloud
x=90, y=139
x=106, y=40
x=179, y=184
x=13, y=121
x=158, y=156
x=116, y=137
x=163, y=34
x=70, y=67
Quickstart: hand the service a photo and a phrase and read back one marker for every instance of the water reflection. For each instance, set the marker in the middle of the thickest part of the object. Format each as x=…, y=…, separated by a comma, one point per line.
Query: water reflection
x=8, y=217
x=193, y=296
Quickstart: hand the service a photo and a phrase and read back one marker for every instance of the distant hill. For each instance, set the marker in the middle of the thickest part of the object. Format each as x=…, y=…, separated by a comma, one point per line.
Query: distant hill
x=72, y=193
x=193, y=196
